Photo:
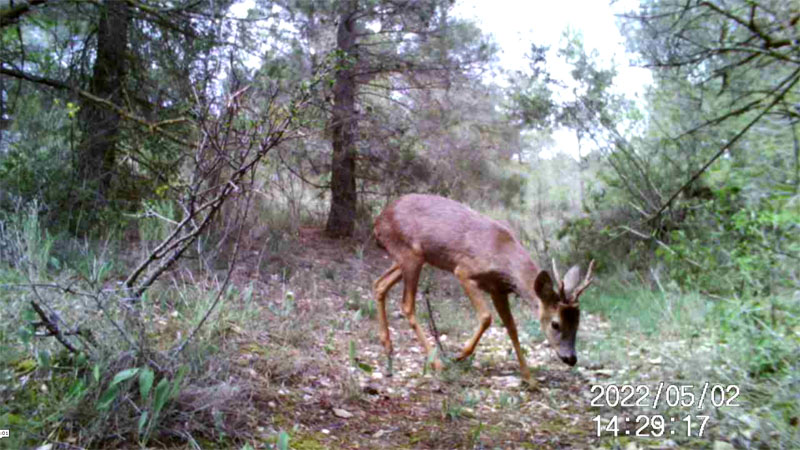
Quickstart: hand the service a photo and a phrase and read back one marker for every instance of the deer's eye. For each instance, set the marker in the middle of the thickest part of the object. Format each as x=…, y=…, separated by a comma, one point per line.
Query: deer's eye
x=555, y=325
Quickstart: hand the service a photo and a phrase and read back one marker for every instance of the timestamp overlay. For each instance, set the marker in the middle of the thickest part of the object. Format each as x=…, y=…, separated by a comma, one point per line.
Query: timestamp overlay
x=663, y=410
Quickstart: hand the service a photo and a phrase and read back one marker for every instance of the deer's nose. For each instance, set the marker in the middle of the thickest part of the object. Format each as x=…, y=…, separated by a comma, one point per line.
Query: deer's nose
x=569, y=360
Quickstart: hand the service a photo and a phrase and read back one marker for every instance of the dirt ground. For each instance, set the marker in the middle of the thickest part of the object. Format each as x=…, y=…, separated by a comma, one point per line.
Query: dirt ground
x=479, y=403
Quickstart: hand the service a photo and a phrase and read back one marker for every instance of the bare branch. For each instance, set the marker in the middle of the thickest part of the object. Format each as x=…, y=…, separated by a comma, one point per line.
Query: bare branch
x=9, y=16
x=51, y=323
x=792, y=79
x=153, y=127
x=240, y=221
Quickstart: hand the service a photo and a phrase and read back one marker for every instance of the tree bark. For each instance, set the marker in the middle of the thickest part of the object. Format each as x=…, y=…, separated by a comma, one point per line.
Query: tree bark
x=344, y=125
x=101, y=126
x=796, y=158
x=3, y=122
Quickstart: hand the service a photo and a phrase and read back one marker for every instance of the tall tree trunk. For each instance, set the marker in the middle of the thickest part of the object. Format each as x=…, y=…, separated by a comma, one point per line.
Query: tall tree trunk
x=3, y=122
x=342, y=216
x=101, y=126
x=796, y=158
x=580, y=172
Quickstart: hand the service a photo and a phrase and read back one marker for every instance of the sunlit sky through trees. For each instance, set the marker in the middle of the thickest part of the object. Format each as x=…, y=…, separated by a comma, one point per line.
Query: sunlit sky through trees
x=516, y=24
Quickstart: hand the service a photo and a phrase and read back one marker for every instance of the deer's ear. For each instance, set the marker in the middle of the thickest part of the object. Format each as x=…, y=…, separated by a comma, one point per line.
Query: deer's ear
x=543, y=287
x=572, y=278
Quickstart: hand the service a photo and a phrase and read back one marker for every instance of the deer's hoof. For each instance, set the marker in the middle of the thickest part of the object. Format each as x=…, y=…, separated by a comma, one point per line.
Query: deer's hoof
x=530, y=384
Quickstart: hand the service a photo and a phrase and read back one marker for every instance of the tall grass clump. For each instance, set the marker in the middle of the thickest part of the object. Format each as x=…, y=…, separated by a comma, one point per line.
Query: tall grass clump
x=640, y=310
x=84, y=364
x=191, y=360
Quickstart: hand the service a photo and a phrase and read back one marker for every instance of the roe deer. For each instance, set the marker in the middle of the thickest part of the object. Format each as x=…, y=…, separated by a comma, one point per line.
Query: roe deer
x=485, y=256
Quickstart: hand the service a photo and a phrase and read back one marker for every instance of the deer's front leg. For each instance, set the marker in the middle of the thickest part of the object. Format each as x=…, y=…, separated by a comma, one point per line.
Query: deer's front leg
x=381, y=288
x=504, y=311
x=482, y=311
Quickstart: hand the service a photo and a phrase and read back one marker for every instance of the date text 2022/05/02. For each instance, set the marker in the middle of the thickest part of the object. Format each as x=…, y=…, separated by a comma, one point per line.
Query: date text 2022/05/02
x=691, y=422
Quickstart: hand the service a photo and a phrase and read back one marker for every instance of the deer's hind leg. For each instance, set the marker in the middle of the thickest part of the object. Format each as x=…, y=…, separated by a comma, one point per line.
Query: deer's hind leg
x=381, y=287
x=411, y=270
x=482, y=310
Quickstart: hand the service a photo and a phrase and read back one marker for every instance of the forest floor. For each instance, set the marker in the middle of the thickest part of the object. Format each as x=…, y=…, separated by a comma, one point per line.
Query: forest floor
x=318, y=370
x=290, y=358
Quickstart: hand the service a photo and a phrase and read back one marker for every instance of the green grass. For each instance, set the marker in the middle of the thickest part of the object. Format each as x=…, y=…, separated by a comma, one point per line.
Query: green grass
x=688, y=338
x=642, y=311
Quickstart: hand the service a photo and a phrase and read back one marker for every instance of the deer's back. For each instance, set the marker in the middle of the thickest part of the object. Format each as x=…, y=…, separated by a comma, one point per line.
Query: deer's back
x=446, y=233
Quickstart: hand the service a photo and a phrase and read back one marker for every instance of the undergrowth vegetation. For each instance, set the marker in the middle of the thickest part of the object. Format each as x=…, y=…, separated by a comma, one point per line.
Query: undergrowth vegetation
x=275, y=327
x=84, y=365
x=685, y=338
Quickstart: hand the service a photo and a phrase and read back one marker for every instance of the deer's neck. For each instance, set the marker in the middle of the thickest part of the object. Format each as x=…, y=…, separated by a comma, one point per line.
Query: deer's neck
x=522, y=278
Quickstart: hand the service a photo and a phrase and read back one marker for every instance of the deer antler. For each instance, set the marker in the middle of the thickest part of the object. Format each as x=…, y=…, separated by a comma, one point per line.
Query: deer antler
x=558, y=280
x=555, y=271
x=585, y=283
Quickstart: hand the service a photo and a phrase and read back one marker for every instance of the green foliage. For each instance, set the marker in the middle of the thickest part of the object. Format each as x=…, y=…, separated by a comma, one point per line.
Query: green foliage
x=581, y=241
x=762, y=330
x=733, y=230
x=736, y=246
x=112, y=391
x=283, y=441
x=287, y=307
x=37, y=163
x=151, y=406
x=352, y=351
x=750, y=342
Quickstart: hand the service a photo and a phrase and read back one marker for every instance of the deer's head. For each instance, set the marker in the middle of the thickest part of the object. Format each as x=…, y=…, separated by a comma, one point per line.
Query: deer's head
x=559, y=310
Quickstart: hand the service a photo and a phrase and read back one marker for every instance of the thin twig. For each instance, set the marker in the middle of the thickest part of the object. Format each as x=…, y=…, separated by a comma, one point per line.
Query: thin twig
x=64, y=289
x=52, y=327
x=662, y=244
x=231, y=266
x=432, y=322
